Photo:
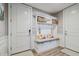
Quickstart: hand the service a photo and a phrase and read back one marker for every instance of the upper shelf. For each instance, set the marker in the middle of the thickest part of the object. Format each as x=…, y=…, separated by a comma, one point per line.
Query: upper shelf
x=44, y=23
x=43, y=20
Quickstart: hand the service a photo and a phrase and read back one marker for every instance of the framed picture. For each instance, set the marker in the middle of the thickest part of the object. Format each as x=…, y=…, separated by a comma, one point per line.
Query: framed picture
x=1, y=11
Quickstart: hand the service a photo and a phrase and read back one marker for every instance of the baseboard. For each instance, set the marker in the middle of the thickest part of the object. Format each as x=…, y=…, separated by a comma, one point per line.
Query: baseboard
x=20, y=52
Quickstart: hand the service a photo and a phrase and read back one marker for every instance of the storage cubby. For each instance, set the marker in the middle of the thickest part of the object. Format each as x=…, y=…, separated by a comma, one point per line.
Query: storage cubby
x=44, y=32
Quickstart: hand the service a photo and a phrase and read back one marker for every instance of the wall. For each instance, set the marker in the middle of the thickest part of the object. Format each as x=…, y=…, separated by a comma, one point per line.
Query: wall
x=60, y=28
x=3, y=33
x=3, y=23
x=2, y=28
x=41, y=13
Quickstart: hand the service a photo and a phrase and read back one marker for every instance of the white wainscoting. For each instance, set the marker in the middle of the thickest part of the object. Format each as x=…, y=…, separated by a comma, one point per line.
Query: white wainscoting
x=3, y=46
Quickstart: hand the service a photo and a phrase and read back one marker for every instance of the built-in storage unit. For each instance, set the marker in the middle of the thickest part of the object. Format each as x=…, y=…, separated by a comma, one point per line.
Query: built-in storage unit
x=44, y=28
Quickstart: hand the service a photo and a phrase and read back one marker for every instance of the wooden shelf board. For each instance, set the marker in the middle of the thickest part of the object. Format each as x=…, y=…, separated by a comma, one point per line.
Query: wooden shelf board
x=44, y=23
x=45, y=40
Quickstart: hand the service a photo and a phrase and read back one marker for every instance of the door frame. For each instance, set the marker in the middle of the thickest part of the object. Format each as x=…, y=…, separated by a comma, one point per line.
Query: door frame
x=9, y=28
x=64, y=36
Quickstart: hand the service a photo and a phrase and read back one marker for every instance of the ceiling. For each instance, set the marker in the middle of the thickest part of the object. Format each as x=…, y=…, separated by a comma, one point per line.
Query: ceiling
x=51, y=8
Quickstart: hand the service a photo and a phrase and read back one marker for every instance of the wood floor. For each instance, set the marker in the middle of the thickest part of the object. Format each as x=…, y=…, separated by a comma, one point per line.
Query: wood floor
x=52, y=52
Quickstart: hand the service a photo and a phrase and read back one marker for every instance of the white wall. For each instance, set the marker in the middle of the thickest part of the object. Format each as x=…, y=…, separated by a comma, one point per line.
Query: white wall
x=60, y=28
x=3, y=38
x=41, y=13
x=2, y=22
x=2, y=28
x=3, y=46
x=3, y=33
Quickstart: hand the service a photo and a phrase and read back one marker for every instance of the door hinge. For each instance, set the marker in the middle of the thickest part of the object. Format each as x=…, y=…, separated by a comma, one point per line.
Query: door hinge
x=10, y=6
x=10, y=20
x=10, y=34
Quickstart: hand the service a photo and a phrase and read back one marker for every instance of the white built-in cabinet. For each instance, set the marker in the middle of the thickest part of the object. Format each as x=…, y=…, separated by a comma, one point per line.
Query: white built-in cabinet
x=46, y=44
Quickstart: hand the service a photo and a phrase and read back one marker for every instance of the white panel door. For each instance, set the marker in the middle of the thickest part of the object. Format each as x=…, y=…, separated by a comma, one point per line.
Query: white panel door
x=71, y=20
x=21, y=22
